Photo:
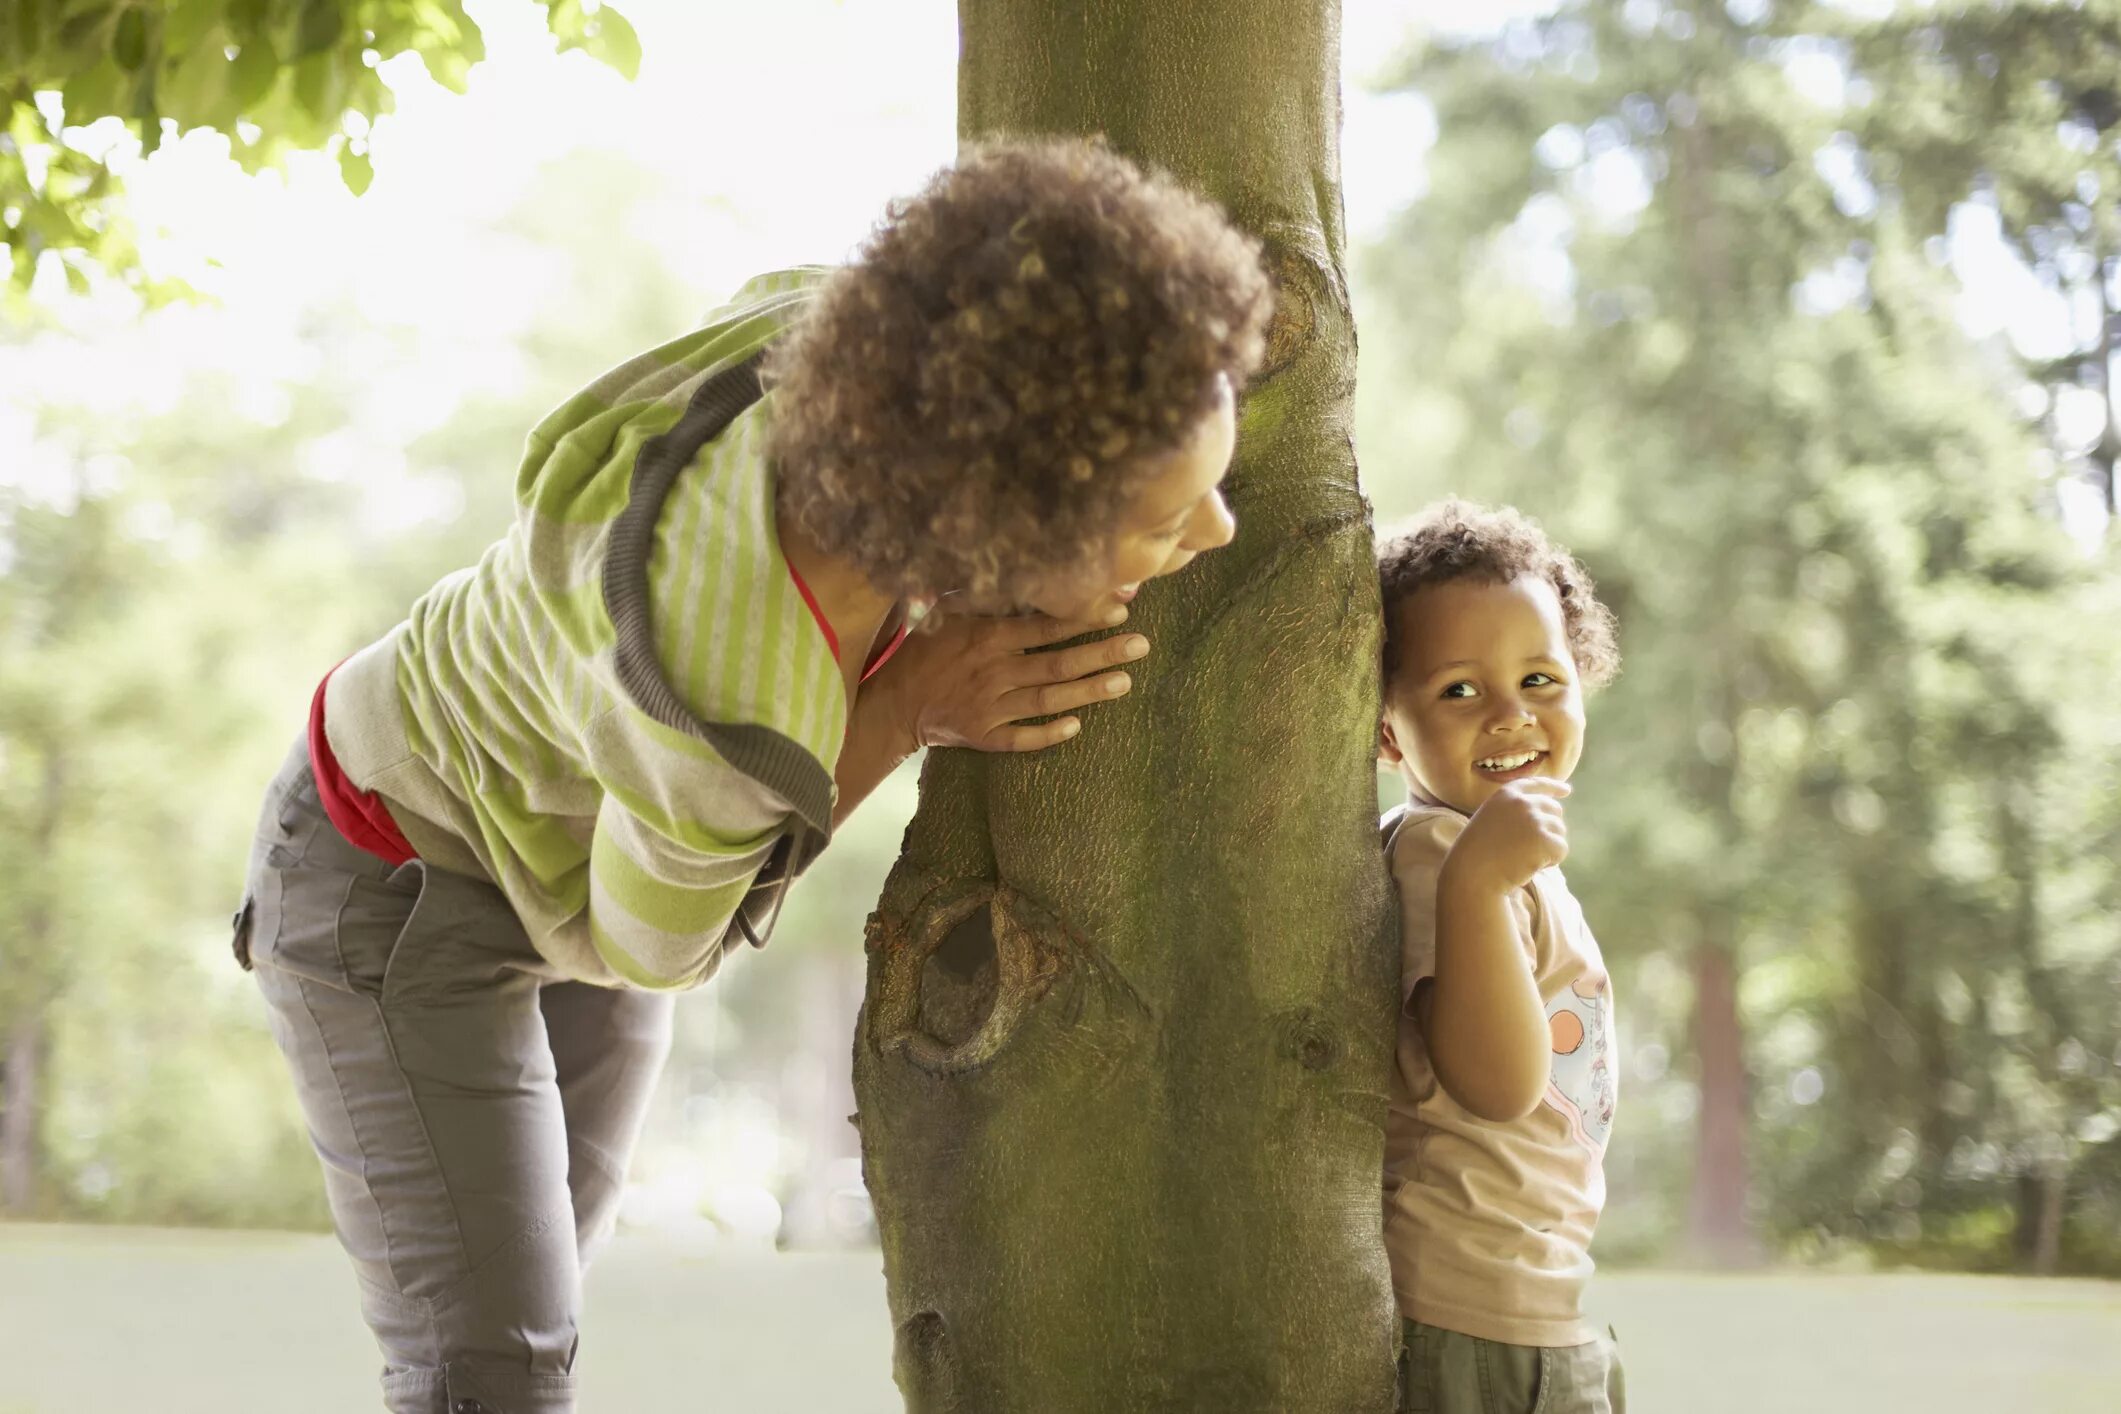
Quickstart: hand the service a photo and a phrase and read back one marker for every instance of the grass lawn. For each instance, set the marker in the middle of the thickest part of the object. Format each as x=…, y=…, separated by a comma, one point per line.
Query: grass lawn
x=115, y=1321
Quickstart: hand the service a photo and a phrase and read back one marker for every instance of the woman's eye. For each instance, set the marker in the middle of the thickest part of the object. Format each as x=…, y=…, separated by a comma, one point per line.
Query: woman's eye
x=1459, y=689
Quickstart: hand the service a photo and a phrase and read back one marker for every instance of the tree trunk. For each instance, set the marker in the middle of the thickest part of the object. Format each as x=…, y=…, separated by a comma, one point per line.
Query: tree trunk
x=1717, y=1229
x=2106, y=452
x=21, y=1107
x=1123, y=1058
x=22, y=1026
x=2041, y=1207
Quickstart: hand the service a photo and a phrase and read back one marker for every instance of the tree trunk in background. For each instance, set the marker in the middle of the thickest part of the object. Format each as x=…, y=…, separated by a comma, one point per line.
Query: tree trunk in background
x=21, y=1095
x=2041, y=1207
x=818, y=1088
x=25, y=1039
x=1717, y=1230
x=1129, y=1019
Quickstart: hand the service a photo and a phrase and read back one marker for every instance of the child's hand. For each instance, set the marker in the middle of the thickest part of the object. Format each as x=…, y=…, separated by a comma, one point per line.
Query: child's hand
x=969, y=681
x=1516, y=832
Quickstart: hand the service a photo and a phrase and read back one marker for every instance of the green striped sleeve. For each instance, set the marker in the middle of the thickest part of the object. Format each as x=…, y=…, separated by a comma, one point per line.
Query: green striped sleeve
x=658, y=911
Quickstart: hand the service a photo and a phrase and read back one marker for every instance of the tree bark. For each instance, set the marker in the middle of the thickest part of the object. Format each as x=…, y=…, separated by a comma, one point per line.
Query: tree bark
x=1717, y=1229
x=2041, y=1208
x=1123, y=1056
x=22, y=1023
x=21, y=1107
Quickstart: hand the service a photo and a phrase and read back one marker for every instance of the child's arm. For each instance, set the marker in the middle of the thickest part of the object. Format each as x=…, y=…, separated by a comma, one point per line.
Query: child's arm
x=1481, y=1014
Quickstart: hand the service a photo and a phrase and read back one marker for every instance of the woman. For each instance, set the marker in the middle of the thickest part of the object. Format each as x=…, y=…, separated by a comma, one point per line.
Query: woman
x=583, y=768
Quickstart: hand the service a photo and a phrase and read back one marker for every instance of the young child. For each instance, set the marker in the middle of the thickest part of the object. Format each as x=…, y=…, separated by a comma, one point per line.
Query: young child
x=1504, y=1090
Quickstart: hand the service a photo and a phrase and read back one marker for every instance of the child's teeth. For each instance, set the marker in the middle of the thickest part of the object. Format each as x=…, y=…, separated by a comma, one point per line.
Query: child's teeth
x=1506, y=763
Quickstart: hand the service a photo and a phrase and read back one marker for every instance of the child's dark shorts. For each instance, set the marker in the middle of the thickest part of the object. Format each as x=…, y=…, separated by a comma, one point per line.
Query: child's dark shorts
x=1444, y=1372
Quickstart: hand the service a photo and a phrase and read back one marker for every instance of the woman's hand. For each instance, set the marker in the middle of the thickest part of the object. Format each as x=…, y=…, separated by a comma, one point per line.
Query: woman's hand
x=972, y=681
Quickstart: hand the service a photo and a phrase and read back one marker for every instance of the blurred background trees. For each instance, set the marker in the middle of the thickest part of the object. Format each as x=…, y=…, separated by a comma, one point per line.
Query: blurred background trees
x=1680, y=285
x=1794, y=321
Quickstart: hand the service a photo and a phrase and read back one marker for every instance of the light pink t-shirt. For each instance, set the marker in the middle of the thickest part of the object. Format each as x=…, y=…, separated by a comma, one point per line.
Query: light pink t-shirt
x=1488, y=1226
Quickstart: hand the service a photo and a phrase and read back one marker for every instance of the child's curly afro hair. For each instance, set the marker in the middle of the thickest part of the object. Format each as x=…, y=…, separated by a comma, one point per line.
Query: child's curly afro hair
x=1456, y=540
x=971, y=404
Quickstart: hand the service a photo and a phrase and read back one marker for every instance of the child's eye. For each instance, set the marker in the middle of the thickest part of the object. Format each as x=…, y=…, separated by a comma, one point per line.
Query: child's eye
x=1540, y=680
x=1459, y=689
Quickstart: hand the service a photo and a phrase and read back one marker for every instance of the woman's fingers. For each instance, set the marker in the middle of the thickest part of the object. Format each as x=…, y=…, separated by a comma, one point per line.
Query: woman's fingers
x=1034, y=738
x=1046, y=699
x=1084, y=658
x=1011, y=682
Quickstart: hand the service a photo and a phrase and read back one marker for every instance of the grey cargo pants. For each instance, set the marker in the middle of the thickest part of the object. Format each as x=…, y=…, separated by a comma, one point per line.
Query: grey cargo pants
x=473, y=1111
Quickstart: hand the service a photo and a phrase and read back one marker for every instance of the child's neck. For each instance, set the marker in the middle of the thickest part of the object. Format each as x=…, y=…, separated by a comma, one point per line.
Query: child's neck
x=1420, y=799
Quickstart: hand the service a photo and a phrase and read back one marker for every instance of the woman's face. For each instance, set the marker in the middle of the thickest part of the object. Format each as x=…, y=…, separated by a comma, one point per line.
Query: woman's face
x=1178, y=513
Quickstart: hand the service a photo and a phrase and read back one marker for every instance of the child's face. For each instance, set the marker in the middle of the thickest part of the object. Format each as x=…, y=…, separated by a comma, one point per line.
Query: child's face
x=1485, y=691
x=1177, y=515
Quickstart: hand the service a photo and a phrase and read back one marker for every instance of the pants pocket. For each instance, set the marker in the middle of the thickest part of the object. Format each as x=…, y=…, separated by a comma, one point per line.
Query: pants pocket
x=1580, y=1379
x=239, y=932
x=1514, y=1379
x=1413, y=1371
x=327, y=926
x=459, y=937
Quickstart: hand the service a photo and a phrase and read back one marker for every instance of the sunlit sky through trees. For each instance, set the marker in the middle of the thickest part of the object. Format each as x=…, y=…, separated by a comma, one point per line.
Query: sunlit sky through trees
x=776, y=133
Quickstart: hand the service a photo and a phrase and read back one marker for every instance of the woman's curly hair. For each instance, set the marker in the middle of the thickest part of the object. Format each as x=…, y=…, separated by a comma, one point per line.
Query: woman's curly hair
x=1456, y=540
x=971, y=403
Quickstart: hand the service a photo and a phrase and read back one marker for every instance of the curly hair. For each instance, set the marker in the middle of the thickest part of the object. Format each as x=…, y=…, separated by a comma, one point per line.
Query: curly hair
x=971, y=403
x=1456, y=540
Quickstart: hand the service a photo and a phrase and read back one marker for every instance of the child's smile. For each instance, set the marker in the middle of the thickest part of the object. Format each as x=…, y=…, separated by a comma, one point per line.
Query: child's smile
x=1485, y=691
x=1511, y=765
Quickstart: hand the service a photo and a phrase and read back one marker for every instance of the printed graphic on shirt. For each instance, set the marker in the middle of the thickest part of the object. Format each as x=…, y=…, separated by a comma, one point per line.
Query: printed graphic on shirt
x=1583, y=1084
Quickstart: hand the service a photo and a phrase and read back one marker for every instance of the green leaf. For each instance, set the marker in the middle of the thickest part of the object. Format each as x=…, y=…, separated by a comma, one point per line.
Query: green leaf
x=188, y=24
x=29, y=25
x=251, y=75
x=91, y=93
x=76, y=280
x=196, y=92
x=612, y=40
x=356, y=170
x=129, y=41
x=319, y=28
x=77, y=29
x=564, y=18
x=319, y=86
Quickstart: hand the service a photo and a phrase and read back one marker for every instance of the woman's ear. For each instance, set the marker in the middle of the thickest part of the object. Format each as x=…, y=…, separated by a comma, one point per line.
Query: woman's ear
x=1388, y=751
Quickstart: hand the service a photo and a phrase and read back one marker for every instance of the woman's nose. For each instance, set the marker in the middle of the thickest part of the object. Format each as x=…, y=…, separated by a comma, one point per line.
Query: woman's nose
x=1212, y=526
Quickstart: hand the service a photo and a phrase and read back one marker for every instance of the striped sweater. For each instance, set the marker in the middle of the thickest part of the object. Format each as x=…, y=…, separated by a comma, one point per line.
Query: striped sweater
x=625, y=709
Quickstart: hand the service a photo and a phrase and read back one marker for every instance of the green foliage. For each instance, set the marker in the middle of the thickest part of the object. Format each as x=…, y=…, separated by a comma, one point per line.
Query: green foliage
x=2018, y=103
x=272, y=76
x=1859, y=740
x=172, y=583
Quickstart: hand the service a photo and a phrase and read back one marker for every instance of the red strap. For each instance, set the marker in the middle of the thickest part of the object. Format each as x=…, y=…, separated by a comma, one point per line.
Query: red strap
x=883, y=655
x=360, y=815
x=832, y=640
x=877, y=659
